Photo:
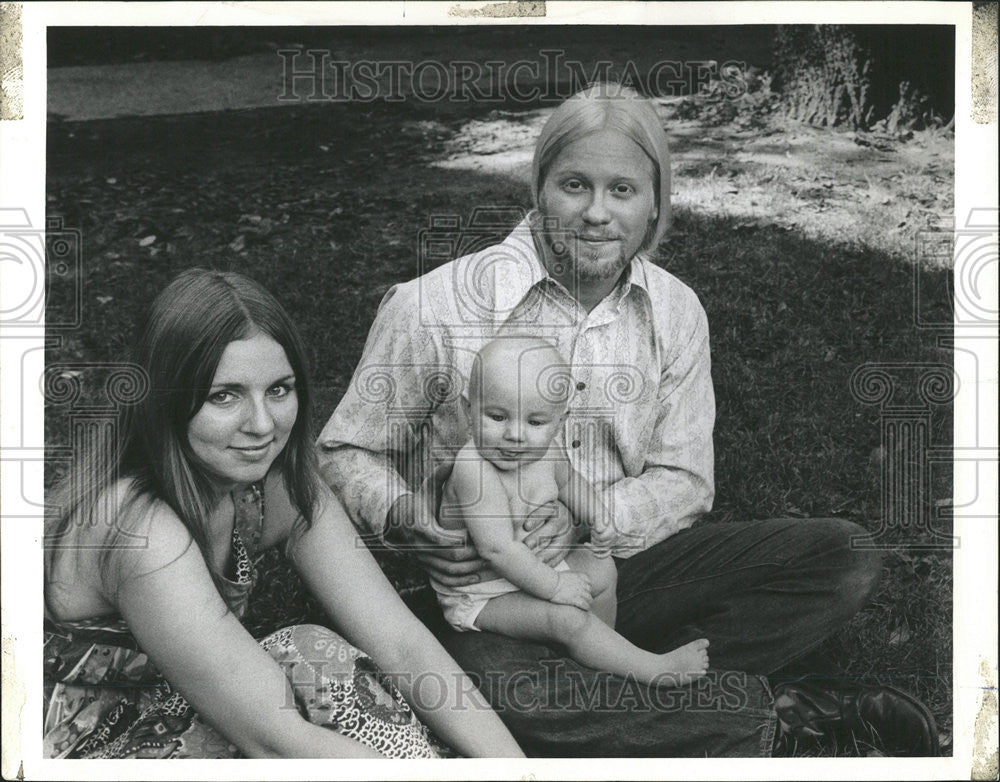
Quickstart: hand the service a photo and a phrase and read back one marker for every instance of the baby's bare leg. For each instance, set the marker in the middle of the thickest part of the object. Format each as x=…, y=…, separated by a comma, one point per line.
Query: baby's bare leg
x=603, y=582
x=589, y=641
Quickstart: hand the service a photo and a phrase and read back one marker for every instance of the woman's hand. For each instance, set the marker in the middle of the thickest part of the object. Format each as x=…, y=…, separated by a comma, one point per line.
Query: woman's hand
x=447, y=555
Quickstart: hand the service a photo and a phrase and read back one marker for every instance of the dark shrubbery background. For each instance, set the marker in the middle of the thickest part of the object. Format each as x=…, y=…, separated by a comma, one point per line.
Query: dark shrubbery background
x=812, y=62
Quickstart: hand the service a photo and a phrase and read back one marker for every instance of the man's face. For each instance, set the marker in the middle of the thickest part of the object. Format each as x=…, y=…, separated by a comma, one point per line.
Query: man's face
x=601, y=188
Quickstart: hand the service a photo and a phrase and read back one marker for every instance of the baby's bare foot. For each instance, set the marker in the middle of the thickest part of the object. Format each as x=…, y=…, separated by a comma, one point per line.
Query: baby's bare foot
x=684, y=664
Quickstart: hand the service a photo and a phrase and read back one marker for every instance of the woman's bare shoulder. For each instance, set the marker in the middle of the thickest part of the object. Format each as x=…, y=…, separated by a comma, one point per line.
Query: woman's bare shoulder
x=128, y=533
x=152, y=534
x=145, y=533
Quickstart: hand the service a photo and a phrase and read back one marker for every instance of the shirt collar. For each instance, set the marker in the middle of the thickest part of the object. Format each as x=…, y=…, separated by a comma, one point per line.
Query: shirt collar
x=636, y=277
x=637, y=272
x=515, y=281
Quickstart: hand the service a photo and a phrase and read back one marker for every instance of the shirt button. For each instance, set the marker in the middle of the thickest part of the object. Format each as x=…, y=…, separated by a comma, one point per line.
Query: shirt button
x=575, y=443
x=580, y=386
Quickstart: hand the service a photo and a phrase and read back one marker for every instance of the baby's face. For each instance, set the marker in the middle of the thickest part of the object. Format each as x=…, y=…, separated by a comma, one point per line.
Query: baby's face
x=512, y=423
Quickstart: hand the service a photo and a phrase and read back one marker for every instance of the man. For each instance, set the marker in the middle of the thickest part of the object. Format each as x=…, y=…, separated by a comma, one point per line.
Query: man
x=575, y=272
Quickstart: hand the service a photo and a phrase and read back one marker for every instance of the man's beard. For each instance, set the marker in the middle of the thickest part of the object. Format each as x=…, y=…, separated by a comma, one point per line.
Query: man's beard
x=594, y=265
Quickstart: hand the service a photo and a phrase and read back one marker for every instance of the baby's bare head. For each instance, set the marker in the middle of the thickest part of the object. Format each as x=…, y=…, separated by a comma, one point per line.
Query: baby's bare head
x=531, y=366
x=518, y=394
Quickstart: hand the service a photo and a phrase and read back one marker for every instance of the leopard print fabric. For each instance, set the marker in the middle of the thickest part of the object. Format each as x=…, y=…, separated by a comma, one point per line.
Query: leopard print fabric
x=338, y=686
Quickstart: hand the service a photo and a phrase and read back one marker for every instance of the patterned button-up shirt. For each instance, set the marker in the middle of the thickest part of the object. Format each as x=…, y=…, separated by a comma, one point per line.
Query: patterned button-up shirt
x=641, y=415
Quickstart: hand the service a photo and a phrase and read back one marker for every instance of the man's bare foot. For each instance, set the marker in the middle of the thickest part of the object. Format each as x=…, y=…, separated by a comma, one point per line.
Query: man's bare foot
x=684, y=664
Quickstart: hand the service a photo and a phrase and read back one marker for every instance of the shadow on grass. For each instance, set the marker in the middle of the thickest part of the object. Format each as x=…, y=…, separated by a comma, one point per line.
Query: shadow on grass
x=329, y=204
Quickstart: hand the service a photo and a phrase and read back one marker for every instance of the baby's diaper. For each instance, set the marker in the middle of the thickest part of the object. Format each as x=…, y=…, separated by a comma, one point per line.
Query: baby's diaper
x=462, y=605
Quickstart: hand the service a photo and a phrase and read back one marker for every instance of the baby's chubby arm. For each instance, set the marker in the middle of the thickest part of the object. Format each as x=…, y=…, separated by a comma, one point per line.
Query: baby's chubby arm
x=485, y=509
x=586, y=505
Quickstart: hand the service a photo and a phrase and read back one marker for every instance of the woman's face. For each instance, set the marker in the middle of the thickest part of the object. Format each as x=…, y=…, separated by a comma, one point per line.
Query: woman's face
x=251, y=407
x=601, y=188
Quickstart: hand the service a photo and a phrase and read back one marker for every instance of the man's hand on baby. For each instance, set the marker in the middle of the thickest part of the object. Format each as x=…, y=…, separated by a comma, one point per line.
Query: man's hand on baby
x=573, y=589
x=551, y=533
x=449, y=562
x=447, y=555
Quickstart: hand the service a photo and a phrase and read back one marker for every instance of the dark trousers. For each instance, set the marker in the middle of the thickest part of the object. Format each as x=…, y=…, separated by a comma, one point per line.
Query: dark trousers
x=762, y=592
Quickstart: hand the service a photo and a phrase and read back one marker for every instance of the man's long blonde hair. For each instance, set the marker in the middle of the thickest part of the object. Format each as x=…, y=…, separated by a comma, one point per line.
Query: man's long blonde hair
x=608, y=106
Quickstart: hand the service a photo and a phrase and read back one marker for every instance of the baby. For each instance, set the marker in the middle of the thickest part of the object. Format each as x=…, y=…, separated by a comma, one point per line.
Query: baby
x=517, y=404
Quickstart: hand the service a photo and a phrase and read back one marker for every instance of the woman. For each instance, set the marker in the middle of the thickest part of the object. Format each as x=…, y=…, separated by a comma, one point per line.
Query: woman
x=153, y=551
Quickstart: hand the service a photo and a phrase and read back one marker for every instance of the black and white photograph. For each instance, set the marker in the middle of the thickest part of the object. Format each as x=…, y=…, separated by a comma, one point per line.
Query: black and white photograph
x=593, y=382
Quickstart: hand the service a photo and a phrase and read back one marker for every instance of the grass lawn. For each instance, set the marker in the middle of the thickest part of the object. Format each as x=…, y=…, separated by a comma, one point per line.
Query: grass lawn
x=799, y=243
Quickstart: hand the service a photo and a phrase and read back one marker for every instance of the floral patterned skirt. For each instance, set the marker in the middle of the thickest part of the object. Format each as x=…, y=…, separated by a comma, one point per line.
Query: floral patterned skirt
x=105, y=701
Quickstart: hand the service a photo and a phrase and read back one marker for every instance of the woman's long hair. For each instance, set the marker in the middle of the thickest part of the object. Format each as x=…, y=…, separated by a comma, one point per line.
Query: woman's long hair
x=186, y=332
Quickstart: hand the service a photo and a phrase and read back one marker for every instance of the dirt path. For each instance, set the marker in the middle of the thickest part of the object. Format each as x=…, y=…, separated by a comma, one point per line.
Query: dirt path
x=832, y=185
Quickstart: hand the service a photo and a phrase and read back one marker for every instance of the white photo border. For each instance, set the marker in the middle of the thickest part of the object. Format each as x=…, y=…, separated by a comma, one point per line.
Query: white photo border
x=22, y=186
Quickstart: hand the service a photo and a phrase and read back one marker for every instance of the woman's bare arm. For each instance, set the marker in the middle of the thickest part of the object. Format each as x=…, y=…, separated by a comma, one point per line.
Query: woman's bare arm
x=167, y=597
x=366, y=610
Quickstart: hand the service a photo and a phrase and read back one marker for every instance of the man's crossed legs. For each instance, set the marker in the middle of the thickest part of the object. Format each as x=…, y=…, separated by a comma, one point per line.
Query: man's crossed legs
x=763, y=593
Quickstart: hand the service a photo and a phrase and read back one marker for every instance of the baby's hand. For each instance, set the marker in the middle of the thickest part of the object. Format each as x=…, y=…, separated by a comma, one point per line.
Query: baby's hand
x=603, y=537
x=573, y=589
